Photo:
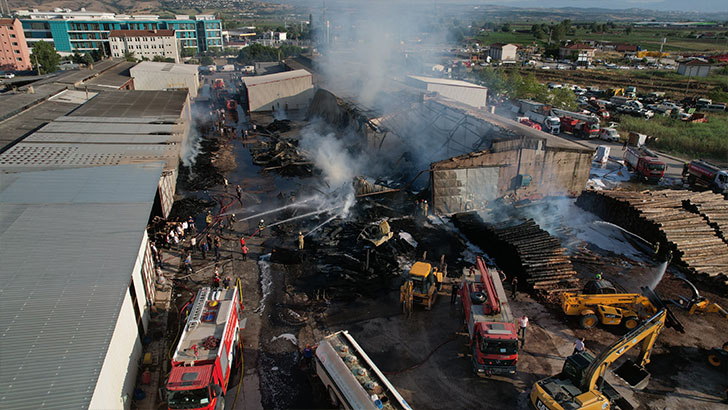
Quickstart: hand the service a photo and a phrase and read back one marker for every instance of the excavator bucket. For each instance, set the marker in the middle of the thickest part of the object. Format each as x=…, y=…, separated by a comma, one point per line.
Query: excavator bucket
x=635, y=375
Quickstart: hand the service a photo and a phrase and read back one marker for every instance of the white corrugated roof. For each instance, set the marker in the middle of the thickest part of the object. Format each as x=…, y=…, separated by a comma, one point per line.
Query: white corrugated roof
x=165, y=67
x=70, y=239
x=286, y=75
x=446, y=81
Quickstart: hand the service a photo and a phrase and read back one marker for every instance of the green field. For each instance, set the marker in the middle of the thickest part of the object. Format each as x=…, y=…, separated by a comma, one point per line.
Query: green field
x=648, y=38
x=688, y=140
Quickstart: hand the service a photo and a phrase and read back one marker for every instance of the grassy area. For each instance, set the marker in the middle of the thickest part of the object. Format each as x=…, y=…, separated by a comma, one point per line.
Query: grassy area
x=689, y=140
x=648, y=38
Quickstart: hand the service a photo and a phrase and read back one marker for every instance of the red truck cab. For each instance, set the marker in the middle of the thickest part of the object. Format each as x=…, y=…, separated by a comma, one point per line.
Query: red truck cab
x=208, y=350
x=492, y=331
x=645, y=164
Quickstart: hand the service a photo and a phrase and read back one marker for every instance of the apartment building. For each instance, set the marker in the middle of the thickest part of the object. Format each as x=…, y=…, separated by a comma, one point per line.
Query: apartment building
x=14, y=53
x=83, y=31
x=144, y=43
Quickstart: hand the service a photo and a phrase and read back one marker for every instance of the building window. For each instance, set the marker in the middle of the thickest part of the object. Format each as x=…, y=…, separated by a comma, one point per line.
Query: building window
x=12, y=36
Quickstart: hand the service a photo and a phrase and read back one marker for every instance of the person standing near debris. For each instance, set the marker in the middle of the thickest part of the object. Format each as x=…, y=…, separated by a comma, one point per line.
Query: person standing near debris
x=191, y=224
x=239, y=191
x=208, y=218
x=160, y=258
x=514, y=287
x=245, y=253
x=598, y=276
x=226, y=282
x=225, y=181
x=300, y=241
x=522, y=325
x=188, y=262
x=193, y=243
x=204, y=248
x=217, y=248
x=185, y=227
x=578, y=346
x=261, y=226
x=242, y=243
x=454, y=293
x=424, y=208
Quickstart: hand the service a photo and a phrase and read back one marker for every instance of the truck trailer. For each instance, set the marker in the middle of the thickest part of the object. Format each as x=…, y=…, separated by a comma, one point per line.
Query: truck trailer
x=491, y=329
x=700, y=173
x=351, y=378
x=549, y=123
x=644, y=164
x=208, y=349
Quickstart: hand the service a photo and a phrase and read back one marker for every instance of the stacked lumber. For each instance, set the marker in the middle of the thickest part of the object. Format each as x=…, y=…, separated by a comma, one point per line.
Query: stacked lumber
x=523, y=249
x=673, y=219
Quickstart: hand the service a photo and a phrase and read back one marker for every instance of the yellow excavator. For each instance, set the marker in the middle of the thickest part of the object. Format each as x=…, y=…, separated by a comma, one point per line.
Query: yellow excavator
x=421, y=285
x=599, y=303
x=581, y=384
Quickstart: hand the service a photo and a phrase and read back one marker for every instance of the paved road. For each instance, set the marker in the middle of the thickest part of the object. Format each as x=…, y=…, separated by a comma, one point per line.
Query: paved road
x=674, y=164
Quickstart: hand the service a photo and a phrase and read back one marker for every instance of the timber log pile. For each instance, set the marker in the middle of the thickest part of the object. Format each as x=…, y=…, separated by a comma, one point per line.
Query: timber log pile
x=690, y=224
x=526, y=249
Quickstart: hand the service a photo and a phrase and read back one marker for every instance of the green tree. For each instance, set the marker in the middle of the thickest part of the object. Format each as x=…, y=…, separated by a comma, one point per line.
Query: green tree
x=129, y=56
x=628, y=30
x=207, y=60
x=563, y=98
x=506, y=28
x=189, y=52
x=45, y=57
x=77, y=58
x=494, y=80
x=87, y=59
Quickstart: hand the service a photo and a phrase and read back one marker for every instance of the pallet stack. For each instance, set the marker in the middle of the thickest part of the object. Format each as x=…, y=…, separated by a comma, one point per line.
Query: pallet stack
x=523, y=249
x=672, y=218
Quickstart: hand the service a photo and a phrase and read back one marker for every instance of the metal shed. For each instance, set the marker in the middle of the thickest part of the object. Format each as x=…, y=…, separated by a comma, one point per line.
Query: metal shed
x=290, y=89
x=471, y=94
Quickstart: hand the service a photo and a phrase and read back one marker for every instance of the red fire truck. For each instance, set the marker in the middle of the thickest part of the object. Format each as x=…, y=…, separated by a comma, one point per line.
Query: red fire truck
x=644, y=164
x=491, y=329
x=208, y=349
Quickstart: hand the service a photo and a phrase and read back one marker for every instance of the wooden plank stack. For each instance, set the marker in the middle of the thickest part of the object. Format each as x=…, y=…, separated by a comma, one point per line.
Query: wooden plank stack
x=690, y=224
x=523, y=249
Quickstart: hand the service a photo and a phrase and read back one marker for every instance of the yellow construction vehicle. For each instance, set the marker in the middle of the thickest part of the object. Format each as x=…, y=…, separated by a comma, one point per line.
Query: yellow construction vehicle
x=627, y=309
x=421, y=285
x=581, y=384
x=614, y=92
x=698, y=304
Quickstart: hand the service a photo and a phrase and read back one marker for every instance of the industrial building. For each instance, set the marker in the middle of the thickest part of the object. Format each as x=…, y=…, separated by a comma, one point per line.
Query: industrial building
x=144, y=44
x=503, y=52
x=290, y=90
x=113, y=128
x=695, y=67
x=78, y=192
x=14, y=53
x=74, y=313
x=150, y=75
x=462, y=91
x=472, y=157
x=83, y=31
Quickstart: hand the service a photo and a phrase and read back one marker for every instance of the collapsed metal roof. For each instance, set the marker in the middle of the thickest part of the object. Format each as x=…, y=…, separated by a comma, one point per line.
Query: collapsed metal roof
x=70, y=240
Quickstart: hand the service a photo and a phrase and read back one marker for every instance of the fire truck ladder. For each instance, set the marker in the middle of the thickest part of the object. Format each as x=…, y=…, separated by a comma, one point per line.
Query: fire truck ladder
x=492, y=304
x=199, y=308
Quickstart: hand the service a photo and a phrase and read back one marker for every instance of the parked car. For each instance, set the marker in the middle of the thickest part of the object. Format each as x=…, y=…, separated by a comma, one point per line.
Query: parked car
x=7, y=75
x=609, y=134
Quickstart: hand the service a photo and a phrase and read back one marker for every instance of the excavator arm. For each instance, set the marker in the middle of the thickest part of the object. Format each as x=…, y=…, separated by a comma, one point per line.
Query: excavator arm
x=644, y=335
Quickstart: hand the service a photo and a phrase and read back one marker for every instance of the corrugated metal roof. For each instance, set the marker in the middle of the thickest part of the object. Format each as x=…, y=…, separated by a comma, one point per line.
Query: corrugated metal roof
x=70, y=239
x=98, y=138
x=134, y=103
x=91, y=127
x=146, y=66
x=286, y=75
x=31, y=156
x=447, y=81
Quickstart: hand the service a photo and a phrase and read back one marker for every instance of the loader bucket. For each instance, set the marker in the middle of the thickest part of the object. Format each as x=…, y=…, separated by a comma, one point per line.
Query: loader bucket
x=636, y=376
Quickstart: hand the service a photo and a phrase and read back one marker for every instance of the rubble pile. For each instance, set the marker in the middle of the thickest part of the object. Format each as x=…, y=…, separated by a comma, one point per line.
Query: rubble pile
x=689, y=224
x=524, y=249
x=281, y=155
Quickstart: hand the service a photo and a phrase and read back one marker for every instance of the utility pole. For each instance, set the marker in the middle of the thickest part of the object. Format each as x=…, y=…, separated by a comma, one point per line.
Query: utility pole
x=37, y=66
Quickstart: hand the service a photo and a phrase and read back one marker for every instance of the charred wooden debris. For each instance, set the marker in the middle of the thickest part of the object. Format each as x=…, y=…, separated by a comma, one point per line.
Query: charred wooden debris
x=523, y=249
